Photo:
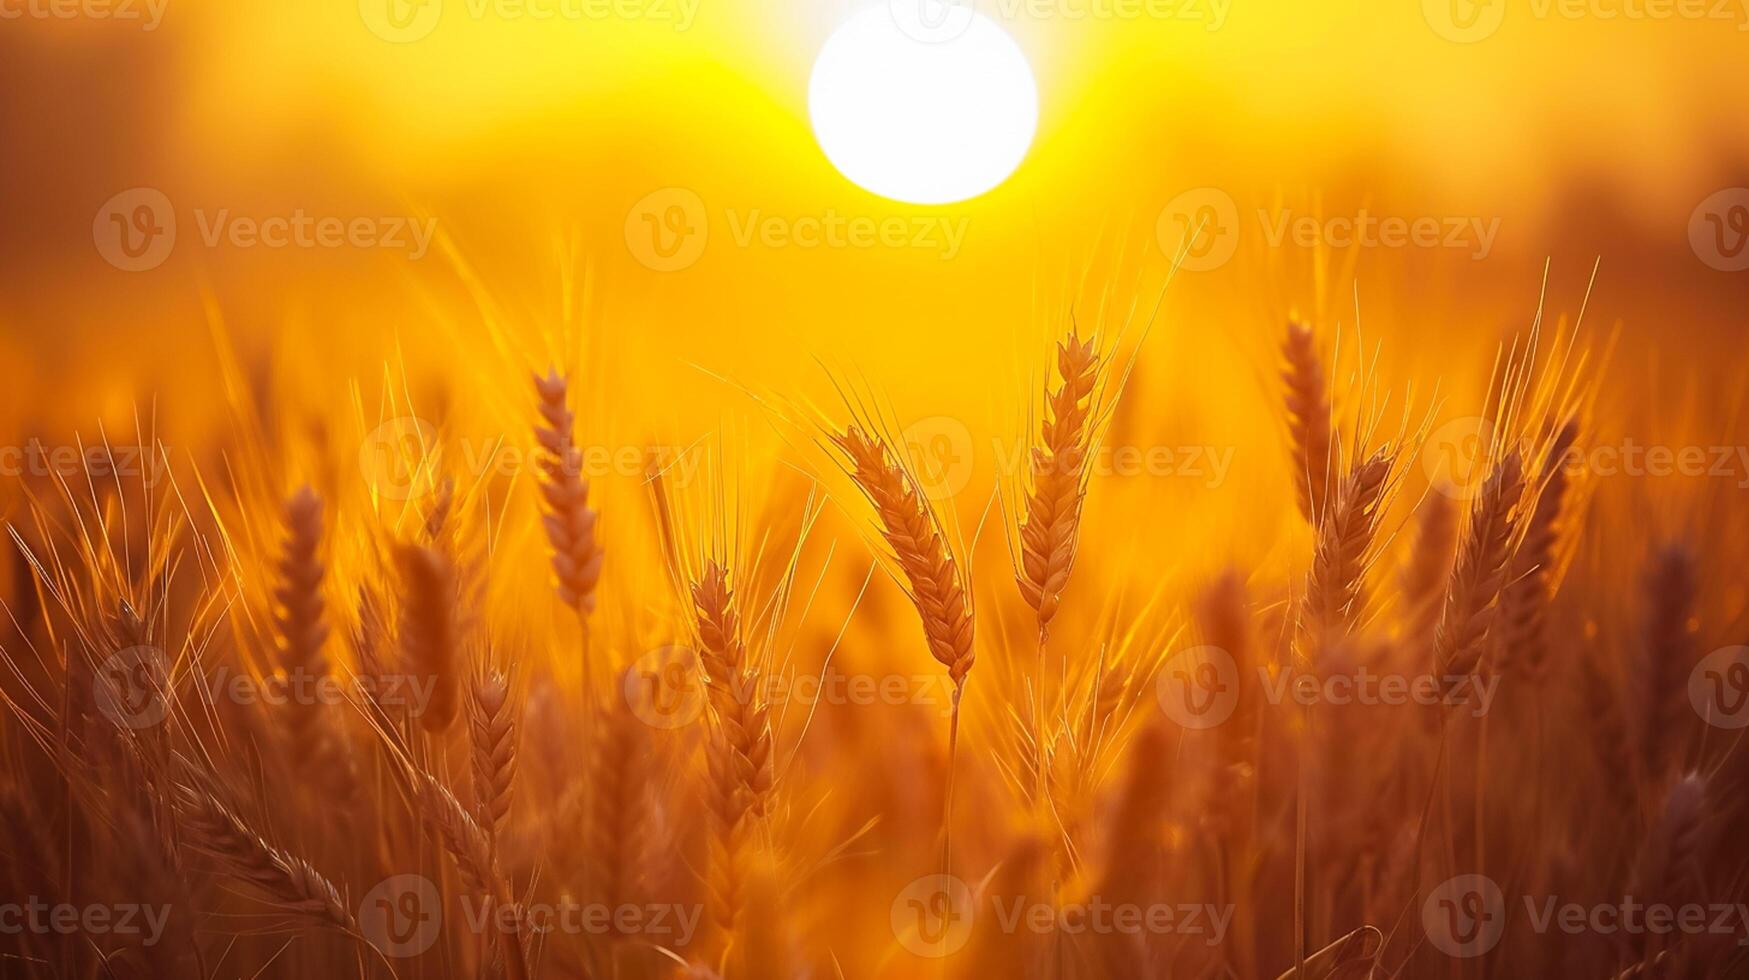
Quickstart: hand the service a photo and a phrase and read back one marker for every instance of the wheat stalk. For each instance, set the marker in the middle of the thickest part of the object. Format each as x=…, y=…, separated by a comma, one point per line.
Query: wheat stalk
x=1050, y=527
x=1666, y=659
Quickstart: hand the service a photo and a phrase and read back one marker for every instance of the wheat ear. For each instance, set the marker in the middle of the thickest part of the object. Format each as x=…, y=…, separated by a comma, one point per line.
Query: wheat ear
x=931, y=574
x=567, y=517
x=301, y=616
x=1308, y=416
x=1479, y=573
x=492, y=737
x=216, y=830
x=471, y=848
x=1335, y=594
x=1666, y=659
x=739, y=755
x=1050, y=528
x=429, y=631
x=620, y=768
x=1530, y=577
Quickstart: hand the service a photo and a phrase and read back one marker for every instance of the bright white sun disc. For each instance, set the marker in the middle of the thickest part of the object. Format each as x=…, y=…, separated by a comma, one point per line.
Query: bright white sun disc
x=926, y=117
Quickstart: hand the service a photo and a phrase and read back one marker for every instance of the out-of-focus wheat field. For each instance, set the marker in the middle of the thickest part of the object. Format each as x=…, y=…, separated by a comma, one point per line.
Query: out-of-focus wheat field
x=486, y=497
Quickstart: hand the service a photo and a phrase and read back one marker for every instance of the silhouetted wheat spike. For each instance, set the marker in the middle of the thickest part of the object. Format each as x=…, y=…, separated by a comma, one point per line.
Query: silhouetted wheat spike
x=621, y=769
x=291, y=882
x=1666, y=660
x=931, y=574
x=1428, y=567
x=569, y=522
x=300, y=615
x=1050, y=528
x=1479, y=572
x=1336, y=584
x=739, y=754
x=429, y=631
x=1308, y=416
x=1529, y=586
x=492, y=735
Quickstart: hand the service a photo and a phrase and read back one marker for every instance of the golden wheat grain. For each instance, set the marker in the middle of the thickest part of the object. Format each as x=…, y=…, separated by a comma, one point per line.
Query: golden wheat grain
x=932, y=576
x=567, y=517
x=1050, y=528
x=1530, y=577
x=1335, y=595
x=492, y=737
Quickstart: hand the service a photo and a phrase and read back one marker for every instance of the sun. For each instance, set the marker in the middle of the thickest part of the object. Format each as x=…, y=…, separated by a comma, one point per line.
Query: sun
x=923, y=101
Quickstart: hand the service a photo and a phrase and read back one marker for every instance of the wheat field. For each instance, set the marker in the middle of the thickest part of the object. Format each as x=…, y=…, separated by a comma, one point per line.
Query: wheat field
x=486, y=496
